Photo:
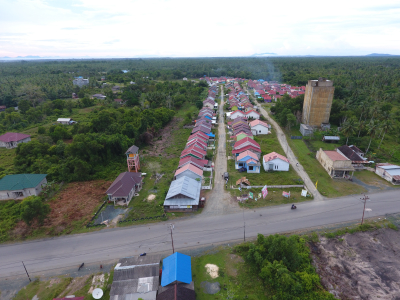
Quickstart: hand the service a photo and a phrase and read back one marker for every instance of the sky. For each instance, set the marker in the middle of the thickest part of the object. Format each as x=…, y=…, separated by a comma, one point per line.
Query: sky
x=208, y=28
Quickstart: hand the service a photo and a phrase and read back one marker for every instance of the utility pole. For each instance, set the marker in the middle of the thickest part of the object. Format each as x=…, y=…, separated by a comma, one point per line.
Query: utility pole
x=365, y=201
x=26, y=271
x=172, y=239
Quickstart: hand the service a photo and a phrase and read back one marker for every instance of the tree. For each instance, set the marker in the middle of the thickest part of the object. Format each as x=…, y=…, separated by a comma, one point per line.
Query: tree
x=23, y=106
x=372, y=130
x=349, y=128
x=32, y=208
x=387, y=125
x=291, y=120
x=32, y=93
x=199, y=104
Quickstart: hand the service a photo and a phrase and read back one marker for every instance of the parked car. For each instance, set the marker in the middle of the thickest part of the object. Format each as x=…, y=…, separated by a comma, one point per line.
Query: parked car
x=226, y=175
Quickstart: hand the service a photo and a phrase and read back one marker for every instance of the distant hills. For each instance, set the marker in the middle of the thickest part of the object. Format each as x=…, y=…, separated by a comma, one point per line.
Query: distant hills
x=263, y=54
x=380, y=54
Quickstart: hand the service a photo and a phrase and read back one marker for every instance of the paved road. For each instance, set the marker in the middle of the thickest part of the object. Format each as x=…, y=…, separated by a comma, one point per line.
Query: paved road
x=70, y=251
x=219, y=201
x=290, y=155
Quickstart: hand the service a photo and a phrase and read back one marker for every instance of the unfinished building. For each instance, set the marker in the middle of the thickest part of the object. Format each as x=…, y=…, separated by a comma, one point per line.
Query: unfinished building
x=318, y=102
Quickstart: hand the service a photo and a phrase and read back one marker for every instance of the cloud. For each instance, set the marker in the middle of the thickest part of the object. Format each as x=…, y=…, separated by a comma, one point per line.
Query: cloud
x=185, y=28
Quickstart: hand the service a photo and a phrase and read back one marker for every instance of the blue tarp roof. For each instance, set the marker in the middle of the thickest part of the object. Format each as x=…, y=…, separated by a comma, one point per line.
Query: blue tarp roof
x=176, y=267
x=208, y=117
x=210, y=134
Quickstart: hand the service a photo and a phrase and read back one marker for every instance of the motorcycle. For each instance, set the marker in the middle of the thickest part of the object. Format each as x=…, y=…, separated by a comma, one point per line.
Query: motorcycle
x=293, y=207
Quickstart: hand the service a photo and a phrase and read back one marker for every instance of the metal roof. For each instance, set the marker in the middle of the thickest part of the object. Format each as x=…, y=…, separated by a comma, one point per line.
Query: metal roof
x=186, y=186
x=122, y=186
x=392, y=170
x=13, y=137
x=64, y=119
x=331, y=138
x=132, y=149
x=176, y=267
x=20, y=181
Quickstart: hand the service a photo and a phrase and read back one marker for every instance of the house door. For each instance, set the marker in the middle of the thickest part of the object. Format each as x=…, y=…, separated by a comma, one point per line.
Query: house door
x=270, y=167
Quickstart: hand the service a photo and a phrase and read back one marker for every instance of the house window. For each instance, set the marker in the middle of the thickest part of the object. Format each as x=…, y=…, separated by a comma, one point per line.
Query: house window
x=259, y=131
x=251, y=168
x=240, y=164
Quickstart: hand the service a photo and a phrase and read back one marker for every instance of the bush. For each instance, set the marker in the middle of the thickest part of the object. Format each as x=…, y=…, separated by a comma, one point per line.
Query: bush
x=32, y=208
x=41, y=130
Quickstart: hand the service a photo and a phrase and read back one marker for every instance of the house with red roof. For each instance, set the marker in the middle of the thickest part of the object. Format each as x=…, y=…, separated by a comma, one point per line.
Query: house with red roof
x=275, y=162
x=189, y=170
x=197, y=143
x=252, y=148
x=247, y=161
x=193, y=151
x=237, y=113
x=335, y=163
x=259, y=127
x=252, y=114
x=199, y=163
x=11, y=140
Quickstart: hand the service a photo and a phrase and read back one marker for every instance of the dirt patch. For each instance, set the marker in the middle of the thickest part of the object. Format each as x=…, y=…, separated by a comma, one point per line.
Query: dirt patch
x=97, y=282
x=76, y=284
x=363, y=265
x=151, y=197
x=231, y=267
x=53, y=281
x=164, y=139
x=75, y=202
x=212, y=270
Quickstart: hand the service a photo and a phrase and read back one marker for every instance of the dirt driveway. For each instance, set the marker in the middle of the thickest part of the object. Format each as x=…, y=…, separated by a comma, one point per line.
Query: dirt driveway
x=219, y=201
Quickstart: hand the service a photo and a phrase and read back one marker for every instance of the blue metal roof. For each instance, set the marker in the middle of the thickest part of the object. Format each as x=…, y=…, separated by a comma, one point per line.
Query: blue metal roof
x=210, y=134
x=176, y=267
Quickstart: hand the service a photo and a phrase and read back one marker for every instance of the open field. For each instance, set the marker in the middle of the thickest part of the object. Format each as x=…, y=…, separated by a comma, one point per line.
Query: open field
x=71, y=209
x=57, y=287
x=327, y=186
x=235, y=276
x=6, y=161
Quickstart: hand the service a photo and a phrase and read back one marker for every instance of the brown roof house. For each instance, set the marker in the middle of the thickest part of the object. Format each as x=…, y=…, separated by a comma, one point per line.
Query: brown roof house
x=357, y=161
x=124, y=188
x=11, y=140
x=335, y=163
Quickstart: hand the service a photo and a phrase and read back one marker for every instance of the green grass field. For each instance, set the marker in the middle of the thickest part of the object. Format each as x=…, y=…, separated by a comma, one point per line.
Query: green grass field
x=236, y=278
x=327, y=186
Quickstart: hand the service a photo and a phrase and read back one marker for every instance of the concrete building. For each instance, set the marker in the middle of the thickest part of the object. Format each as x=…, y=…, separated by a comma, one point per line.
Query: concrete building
x=80, y=81
x=20, y=186
x=335, y=163
x=306, y=130
x=318, y=102
x=388, y=172
x=11, y=140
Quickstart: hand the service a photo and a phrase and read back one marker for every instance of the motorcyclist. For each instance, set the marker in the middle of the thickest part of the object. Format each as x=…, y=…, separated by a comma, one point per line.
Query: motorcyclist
x=293, y=206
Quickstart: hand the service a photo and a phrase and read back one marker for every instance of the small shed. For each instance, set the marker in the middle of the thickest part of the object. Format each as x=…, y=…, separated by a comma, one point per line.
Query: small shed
x=306, y=130
x=388, y=172
x=65, y=121
x=330, y=139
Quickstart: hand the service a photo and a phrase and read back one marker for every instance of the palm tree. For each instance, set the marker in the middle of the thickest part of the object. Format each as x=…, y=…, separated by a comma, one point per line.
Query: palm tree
x=387, y=125
x=364, y=107
x=372, y=129
x=361, y=126
x=349, y=128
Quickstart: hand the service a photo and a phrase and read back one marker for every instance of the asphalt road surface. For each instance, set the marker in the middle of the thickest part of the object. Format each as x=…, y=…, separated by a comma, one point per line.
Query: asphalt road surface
x=42, y=256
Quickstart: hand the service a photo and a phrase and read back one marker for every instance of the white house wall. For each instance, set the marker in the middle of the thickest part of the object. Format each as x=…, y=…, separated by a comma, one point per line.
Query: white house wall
x=11, y=145
x=258, y=129
x=278, y=165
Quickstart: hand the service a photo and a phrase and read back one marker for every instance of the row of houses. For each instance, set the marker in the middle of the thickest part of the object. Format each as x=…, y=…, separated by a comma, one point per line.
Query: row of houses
x=246, y=151
x=184, y=191
x=272, y=90
x=143, y=277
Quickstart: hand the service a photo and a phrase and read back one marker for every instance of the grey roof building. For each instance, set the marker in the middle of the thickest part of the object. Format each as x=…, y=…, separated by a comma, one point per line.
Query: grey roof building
x=136, y=277
x=183, y=193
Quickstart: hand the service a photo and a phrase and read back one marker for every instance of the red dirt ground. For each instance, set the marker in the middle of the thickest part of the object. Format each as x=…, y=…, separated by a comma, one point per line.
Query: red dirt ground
x=76, y=201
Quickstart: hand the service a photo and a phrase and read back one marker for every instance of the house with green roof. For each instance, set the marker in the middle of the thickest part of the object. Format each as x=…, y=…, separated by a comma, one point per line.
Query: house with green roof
x=19, y=186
